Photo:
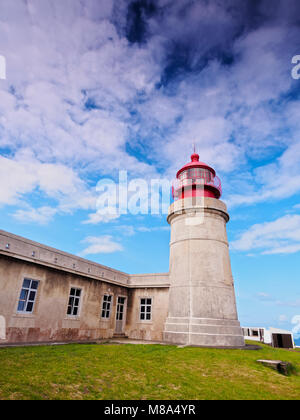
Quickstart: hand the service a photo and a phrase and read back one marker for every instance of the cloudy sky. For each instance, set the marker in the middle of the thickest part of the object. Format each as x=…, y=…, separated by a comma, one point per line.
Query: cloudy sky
x=95, y=86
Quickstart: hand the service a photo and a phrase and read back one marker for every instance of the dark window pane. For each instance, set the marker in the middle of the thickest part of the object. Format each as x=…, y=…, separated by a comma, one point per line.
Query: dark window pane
x=143, y=301
x=77, y=302
x=143, y=308
x=26, y=283
x=29, y=307
x=32, y=296
x=72, y=293
x=142, y=316
x=109, y=298
x=148, y=308
x=69, y=310
x=34, y=284
x=21, y=306
x=75, y=311
x=148, y=316
x=71, y=300
x=148, y=301
x=78, y=291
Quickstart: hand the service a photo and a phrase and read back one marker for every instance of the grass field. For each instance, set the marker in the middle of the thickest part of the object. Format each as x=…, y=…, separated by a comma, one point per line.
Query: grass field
x=82, y=371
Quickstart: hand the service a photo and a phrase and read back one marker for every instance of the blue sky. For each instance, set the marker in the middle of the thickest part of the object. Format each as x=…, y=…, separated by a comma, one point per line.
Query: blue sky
x=94, y=87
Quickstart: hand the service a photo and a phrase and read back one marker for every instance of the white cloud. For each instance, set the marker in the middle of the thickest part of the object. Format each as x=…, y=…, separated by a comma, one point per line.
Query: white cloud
x=60, y=58
x=80, y=96
x=269, y=299
x=284, y=249
x=145, y=229
x=99, y=217
x=281, y=236
x=25, y=174
x=263, y=295
x=40, y=215
x=100, y=245
x=19, y=179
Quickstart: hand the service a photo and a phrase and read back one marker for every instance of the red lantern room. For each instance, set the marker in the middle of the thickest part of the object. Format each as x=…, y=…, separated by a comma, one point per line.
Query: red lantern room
x=196, y=179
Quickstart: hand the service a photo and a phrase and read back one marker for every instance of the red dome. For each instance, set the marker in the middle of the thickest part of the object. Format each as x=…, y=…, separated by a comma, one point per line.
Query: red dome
x=195, y=163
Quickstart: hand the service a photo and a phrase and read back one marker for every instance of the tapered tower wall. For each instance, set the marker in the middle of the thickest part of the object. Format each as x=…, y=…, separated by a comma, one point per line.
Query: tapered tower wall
x=202, y=306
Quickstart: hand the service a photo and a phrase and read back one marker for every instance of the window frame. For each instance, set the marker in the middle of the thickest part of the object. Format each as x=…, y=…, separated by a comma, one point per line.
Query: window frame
x=27, y=300
x=121, y=303
x=145, y=306
x=107, y=295
x=72, y=315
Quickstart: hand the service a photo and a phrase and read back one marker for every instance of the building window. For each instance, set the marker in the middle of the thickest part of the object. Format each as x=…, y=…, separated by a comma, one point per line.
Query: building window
x=120, y=308
x=74, y=301
x=146, y=309
x=106, y=306
x=28, y=296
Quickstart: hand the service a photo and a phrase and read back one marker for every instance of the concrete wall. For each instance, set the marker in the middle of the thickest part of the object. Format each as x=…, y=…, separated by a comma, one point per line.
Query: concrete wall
x=147, y=330
x=149, y=280
x=49, y=320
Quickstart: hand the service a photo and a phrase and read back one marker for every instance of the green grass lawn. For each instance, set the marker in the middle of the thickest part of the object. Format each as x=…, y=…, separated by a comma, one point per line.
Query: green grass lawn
x=79, y=371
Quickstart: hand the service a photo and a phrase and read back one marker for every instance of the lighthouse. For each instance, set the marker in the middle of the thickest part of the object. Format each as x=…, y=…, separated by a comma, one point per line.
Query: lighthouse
x=202, y=306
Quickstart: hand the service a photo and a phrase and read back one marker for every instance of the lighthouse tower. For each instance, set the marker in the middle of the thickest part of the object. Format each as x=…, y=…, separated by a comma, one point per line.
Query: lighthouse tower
x=202, y=306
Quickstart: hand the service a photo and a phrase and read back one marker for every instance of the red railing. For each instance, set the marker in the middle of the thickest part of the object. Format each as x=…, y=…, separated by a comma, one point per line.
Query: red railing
x=179, y=184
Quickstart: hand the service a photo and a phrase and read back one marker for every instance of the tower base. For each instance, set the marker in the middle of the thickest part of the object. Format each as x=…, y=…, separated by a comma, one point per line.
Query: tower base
x=204, y=332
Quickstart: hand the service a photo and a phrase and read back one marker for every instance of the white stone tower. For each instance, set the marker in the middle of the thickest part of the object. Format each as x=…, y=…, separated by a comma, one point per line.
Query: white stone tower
x=202, y=306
